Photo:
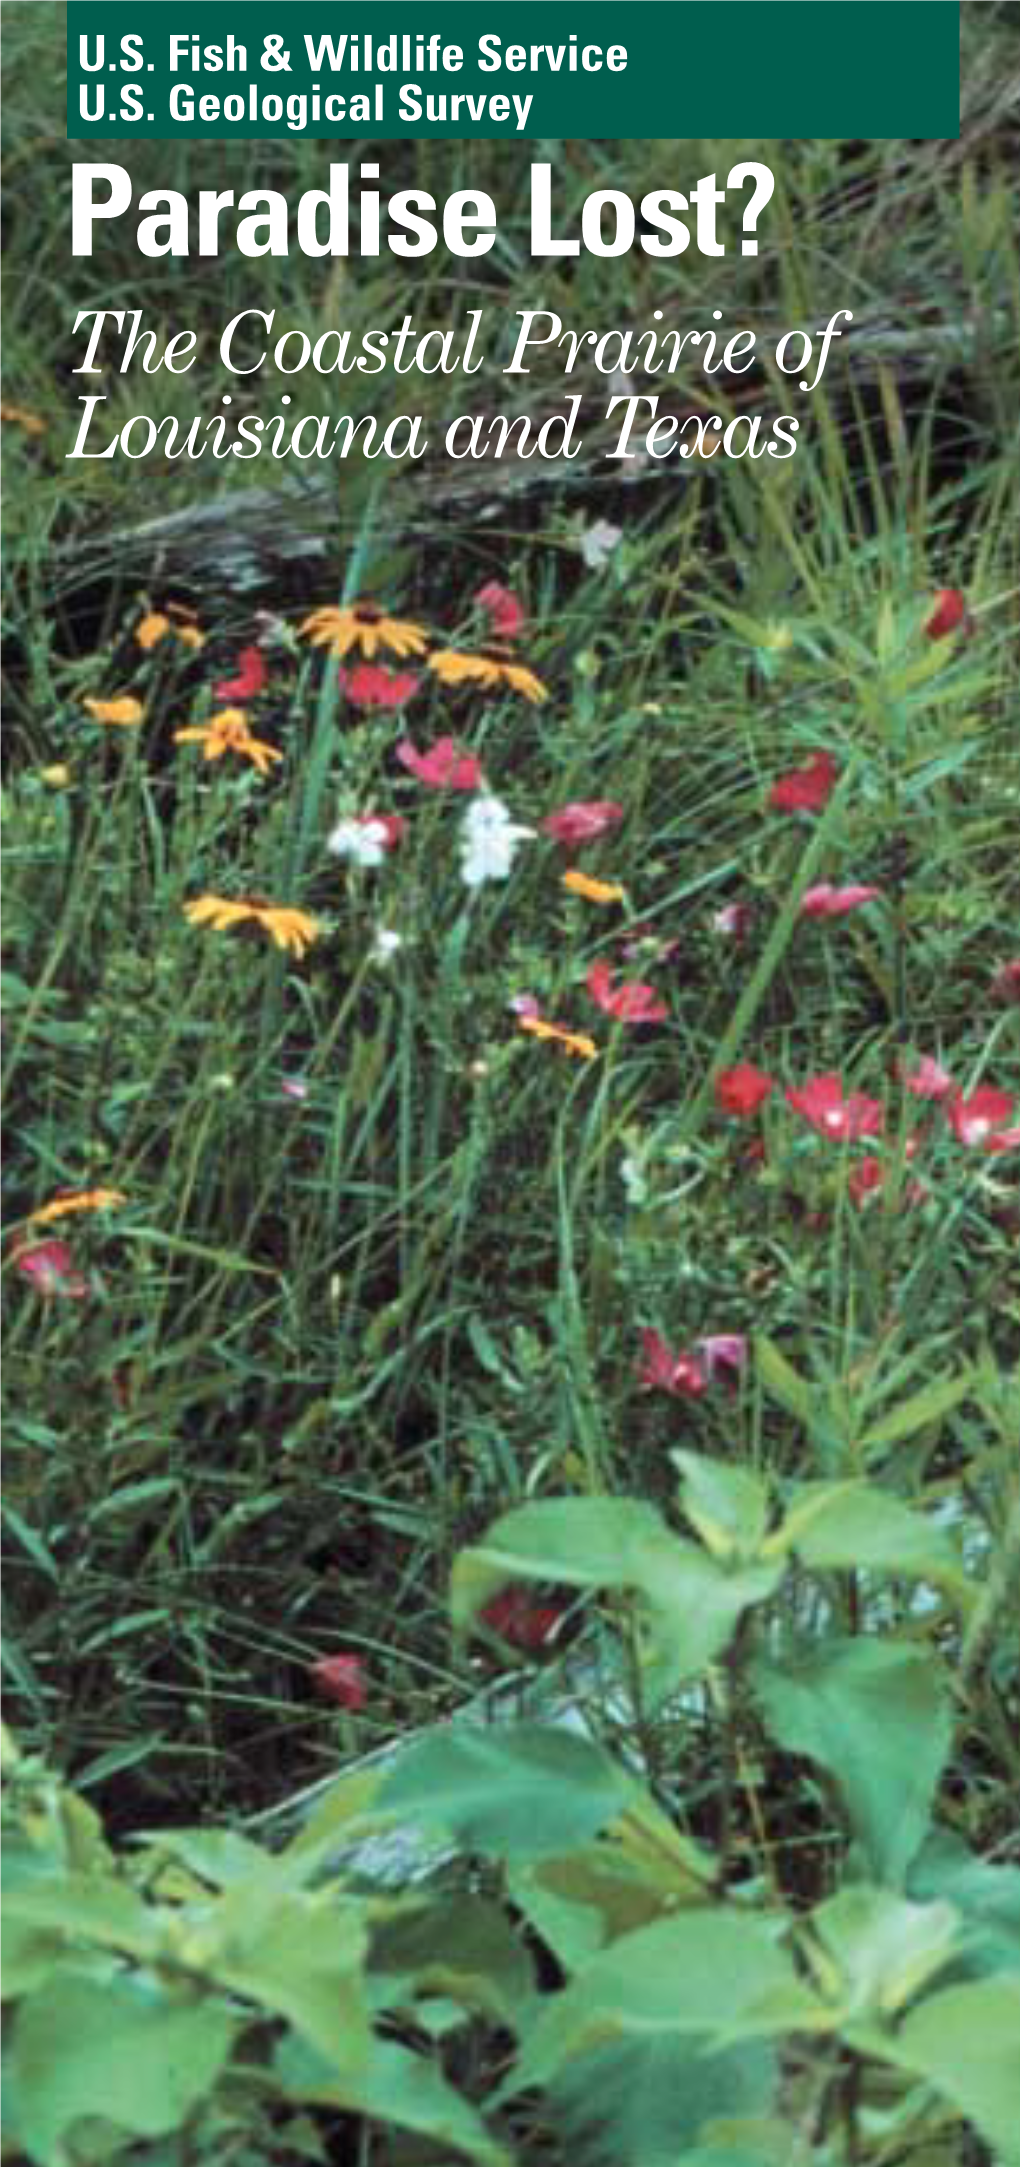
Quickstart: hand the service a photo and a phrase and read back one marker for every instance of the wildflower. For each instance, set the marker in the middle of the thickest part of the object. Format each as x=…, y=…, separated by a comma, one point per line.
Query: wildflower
x=575, y=1042
x=722, y=1353
x=490, y=840
x=1006, y=982
x=518, y=1619
x=822, y=1104
x=190, y=636
x=248, y=679
x=950, y=614
x=74, y=1200
x=732, y=920
x=825, y=901
x=581, y=821
x=124, y=709
x=740, y=1091
x=49, y=1267
x=805, y=789
x=870, y=1175
x=630, y=1002
x=489, y=670
x=56, y=777
x=293, y=1087
x=363, y=625
x=372, y=685
x=341, y=1678
x=228, y=732
x=385, y=944
x=32, y=424
x=151, y=628
x=660, y=1370
x=928, y=1079
x=366, y=838
x=595, y=891
x=598, y=542
x=982, y=1119
x=290, y=929
x=446, y=766
x=524, y=1004
x=505, y=613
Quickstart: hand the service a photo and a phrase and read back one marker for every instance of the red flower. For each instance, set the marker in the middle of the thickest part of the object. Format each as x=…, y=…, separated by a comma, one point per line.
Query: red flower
x=950, y=614
x=825, y=901
x=660, y=1370
x=870, y=1175
x=444, y=767
x=341, y=1678
x=50, y=1268
x=581, y=820
x=732, y=920
x=741, y=1090
x=725, y=1351
x=250, y=677
x=372, y=685
x=822, y=1104
x=505, y=613
x=517, y=1618
x=806, y=789
x=982, y=1119
x=630, y=1002
x=928, y=1079
x=1006, y=983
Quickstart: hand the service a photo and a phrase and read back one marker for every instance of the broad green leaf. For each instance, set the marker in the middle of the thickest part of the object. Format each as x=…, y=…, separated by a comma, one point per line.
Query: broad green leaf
x=217, y=1855
x=582, y=1542
x=876, y=1717
x=727, y=1506
x=692, y=1608
x=90, y=1908
x=599, y=1891
x=395, y=2088
x=298, y=1956
x=988, y=1896
x=875, y=1951
x=463, y=1947
x=633, y=2102
x=842, y=1526
x=965, y=2042
x=517, y=1793
x=124, y=2053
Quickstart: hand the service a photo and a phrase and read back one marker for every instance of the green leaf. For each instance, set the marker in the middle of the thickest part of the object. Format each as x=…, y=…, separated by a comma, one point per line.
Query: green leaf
x=917, y=1412
x=727, y=1506
x=396, y=2089
x=91, y=1908
x=875, y=1951
x=521, y=1792
x=462, y=1947
x=121, y=2052
x=633, y=2102
x=783, y=1383
x=987, y=1895
x=876, y=1717
x=299, y=1956
x=842, y=1526
x=966, y=2043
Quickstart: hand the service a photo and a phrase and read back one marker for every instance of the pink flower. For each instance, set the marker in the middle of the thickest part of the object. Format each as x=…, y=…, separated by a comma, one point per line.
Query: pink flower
x=1006, y=983
x=950, y=614
x=982, y=1119
x=825, y=901
x=928, y=1079
x=741, y=1090
x=50, y=1268
x=505, y=613
x=581, y=820
x=293, y=1087
x=517, y=1618
x=630, y=1002
x=660, y=1370
x=806, y=789
x=371, y=685
x=732, y=920
x=249, y=679
x=724, y=1352
x=822, y=1103
x=525, y=1004
x=869, y=1175
x=341, y=1678
x=446, y=766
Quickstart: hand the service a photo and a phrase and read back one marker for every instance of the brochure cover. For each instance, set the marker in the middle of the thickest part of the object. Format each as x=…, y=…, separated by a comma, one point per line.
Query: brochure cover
x=512, y=1083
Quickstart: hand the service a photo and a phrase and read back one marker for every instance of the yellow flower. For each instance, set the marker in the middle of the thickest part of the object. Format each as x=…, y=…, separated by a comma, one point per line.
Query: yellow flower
x=124, y=709
x=291, y=929
x=364, y=625
x=453, y=668
x=228, y=732
x=152, y=628
x=575, y=1042
x=58, y=776
x=32, y=424
x=75, y=1200
x=596, y=891
x=190, y=636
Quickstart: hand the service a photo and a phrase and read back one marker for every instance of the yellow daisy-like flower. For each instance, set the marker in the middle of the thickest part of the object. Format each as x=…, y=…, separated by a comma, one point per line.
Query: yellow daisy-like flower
x=595, y=891
x=576, y=1042
x=151, y=628
x=488, y=670
x=124, y=709
x=228, y=732
x=72, y=1200
x=292, y=930
x=58, y=776
x=363, y=625
x=190, y=636
x=32, y=424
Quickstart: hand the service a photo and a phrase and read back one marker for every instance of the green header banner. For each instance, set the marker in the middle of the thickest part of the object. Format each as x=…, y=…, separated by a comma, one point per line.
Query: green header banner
x=463, y=68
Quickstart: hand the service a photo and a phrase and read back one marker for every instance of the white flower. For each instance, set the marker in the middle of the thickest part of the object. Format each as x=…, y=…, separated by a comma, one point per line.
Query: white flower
x=365, y=842
x=489, y=840
x=598, y=542
x=385, y=944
